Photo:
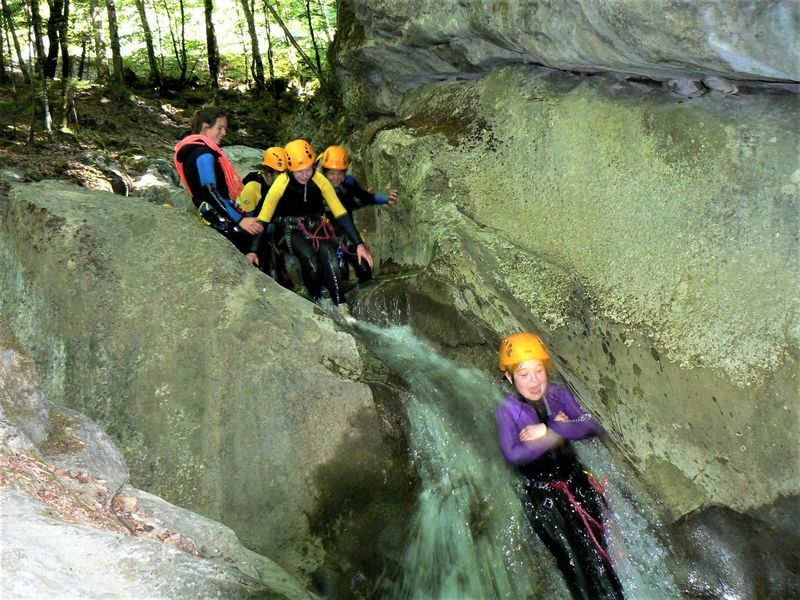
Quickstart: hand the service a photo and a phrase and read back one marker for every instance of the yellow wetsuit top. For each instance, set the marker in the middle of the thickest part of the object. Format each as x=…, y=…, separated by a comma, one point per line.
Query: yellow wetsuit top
x=288, y=197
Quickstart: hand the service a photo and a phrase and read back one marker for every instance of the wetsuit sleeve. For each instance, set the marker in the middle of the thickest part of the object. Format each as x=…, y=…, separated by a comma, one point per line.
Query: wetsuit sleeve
x=208, y=181
x=581, y=424
x=329, y=194
x=337, y=208
x=359, y=197
x=274, y=196
x=519, y=453
x=347, y=225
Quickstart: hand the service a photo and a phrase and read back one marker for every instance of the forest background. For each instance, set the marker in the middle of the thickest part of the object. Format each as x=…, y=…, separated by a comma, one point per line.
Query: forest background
x=123, y=77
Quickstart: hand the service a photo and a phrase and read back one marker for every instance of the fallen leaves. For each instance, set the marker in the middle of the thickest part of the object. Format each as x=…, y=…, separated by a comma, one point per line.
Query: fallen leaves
x=78, y=497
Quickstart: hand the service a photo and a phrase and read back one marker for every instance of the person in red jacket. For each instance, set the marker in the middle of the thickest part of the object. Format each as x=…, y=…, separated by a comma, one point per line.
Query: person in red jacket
x=211, y=179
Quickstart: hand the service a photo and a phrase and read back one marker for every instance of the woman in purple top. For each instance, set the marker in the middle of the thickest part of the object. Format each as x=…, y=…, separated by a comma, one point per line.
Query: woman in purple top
x=535, y=424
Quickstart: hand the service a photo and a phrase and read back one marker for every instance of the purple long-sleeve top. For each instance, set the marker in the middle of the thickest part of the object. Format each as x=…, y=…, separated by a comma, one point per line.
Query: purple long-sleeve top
x=513, y=415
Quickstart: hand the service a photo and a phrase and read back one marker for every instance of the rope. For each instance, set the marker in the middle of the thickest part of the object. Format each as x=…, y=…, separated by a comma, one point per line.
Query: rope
x=588, y=520
x=323, y=232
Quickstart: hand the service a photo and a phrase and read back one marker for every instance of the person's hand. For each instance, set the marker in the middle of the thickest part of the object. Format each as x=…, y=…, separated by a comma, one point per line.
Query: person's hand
x=533, y=432
x=251, y=225
x=392, y=197
x=252, y=258
x=561, y=417
x=363, y=253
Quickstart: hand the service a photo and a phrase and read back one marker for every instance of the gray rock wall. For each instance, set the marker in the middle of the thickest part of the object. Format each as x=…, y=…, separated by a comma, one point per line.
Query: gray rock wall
x=653, y=240
x=71, y=528
x=229, y=395
x=386, y=48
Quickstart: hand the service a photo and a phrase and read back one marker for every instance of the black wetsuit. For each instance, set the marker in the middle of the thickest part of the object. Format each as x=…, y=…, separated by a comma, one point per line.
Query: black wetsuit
x=353, y=197
x=298, y=211
x=270, y=257
x=558, y=524
x=557, y=489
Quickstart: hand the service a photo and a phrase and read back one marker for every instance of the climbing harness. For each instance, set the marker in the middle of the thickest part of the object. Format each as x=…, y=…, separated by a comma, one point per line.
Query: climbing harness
x=593, y=527
x=322, y=233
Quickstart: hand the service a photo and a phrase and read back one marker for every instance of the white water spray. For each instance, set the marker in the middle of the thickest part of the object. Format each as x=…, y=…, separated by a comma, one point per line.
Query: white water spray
x=470, y=538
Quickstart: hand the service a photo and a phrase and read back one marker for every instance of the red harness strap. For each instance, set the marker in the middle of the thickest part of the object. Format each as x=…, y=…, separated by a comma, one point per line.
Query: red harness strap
x=323, y=232
x=588, y=520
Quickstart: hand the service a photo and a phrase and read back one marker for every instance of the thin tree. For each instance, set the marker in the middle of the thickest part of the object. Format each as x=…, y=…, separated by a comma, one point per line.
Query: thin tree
x=245, y=56
x=67, y=96
x=258, y=63
x=155, y=76
x=38, y=49
x=12, y=30
x=4, y=78
x=101, y=60
x=270, y=57
x=328, y=29
x=211, y=44
x=63, y=42
x=54, y=44
x=179, y=49
x=313, y=38
x=82, y=60
x=113, y=31
x=292, y=41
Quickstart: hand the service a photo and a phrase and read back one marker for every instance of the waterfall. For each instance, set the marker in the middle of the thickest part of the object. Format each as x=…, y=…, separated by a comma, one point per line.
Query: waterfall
x=469, y=536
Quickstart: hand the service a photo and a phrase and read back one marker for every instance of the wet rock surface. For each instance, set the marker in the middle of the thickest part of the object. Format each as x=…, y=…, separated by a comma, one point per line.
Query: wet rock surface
x=651, y=240
x=227, y=394
x=71, y=528
x=726, y=554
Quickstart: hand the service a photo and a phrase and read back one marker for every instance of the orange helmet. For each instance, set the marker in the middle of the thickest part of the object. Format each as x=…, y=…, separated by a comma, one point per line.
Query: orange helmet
x=518, y=348
x=275, y=158
x=335, y=157
x=299, y=155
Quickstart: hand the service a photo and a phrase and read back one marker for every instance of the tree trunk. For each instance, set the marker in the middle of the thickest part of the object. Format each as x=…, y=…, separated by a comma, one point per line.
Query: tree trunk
x=101, y=60
x=248, y=65
x=178, y=50
x=155, y=76
x=63, y=32
x=54, y=43
x=292, y=41
x=211, y=43
x=36, y=24
x=38, y=40
x=13, y=34
x=4, y=78
x=66, y=70
x=258, y=62
x=113, y=30
x=328, y=29
x=270, y=58
x=313, y=39
x=82, y=61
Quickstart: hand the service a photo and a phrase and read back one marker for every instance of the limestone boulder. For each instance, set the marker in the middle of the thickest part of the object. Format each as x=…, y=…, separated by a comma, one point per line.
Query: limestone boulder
x=47, y=557
x=76, y=443
x=228, y=394
x=385, y=48
x=71, y=527
x=723, y=552
x=24, y=408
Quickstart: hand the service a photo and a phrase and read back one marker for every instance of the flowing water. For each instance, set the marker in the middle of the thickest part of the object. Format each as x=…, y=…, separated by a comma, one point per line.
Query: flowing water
x=470, y=538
